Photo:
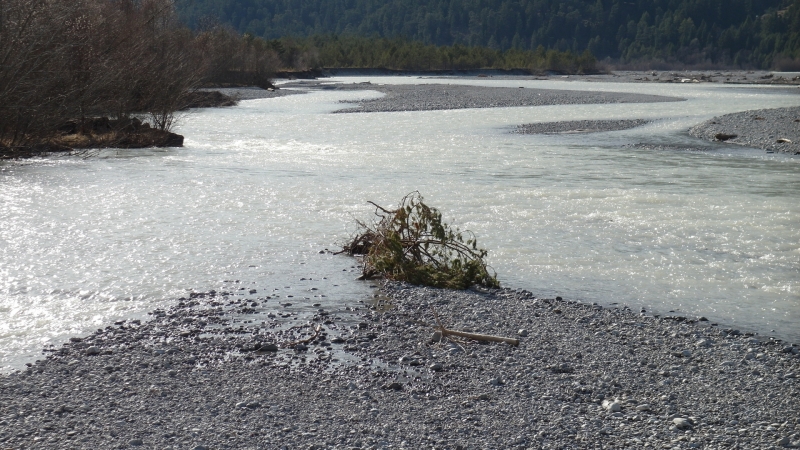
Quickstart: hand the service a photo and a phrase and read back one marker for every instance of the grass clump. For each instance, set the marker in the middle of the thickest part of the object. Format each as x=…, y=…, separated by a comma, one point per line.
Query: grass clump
x=413, y=244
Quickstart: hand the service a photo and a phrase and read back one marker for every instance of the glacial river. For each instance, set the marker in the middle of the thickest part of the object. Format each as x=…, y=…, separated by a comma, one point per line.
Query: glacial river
x=260, y=189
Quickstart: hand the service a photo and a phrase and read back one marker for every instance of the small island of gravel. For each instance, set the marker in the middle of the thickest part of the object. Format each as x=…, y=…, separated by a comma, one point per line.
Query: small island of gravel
x=435, y=97
x=775, y=130
x=219, y=372
x=579, y=126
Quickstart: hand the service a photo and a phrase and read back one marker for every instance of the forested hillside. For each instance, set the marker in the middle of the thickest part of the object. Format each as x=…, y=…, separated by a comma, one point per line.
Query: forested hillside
x=747, y=33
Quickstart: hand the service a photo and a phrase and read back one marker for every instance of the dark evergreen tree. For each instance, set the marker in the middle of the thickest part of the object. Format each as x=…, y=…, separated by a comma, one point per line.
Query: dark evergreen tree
x=730, y=32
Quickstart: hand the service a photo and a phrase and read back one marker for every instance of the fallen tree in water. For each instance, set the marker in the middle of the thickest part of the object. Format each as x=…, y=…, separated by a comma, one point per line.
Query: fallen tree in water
x=413, y=244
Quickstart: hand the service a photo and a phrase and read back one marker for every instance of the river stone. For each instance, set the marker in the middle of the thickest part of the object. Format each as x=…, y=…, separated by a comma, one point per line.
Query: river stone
x=93, y=350
x=681, y=423
x=410, y=360
x=611, y=406
x=704, y=343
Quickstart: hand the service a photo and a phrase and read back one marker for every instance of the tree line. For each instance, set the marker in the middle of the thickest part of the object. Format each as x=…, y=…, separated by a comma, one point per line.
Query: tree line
x=743, y=33
x=351, y=51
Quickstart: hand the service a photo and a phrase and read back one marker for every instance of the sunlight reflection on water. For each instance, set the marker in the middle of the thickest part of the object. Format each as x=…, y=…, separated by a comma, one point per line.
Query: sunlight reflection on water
x=261, y=188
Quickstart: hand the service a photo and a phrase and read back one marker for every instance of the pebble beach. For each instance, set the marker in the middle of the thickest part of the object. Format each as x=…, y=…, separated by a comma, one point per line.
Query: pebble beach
x=215, y=372
x=773, y=130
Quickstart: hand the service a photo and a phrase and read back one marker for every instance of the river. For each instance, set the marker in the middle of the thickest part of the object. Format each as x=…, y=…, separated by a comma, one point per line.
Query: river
x=260, y=189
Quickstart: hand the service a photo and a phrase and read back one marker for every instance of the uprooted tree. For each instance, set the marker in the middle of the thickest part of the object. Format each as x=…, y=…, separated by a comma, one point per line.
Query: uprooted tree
x=413, y=244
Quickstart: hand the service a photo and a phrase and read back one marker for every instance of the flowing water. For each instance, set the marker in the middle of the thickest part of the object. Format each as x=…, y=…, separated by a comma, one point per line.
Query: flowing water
x=260, y=189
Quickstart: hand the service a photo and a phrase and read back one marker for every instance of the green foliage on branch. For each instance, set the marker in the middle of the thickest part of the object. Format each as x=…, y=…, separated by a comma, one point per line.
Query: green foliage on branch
x=413, y=244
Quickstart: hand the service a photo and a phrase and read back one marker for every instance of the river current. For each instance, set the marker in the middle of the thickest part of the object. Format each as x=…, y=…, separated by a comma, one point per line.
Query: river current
x=261, y=188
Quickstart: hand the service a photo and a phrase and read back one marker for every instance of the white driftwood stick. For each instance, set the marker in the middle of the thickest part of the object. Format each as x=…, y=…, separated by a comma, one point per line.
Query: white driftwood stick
x=479, y=337
x=474, y=336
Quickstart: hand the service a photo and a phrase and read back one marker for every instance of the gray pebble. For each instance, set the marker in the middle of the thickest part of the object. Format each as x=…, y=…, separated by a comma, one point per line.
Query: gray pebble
x=681, y=423
x=612, y=406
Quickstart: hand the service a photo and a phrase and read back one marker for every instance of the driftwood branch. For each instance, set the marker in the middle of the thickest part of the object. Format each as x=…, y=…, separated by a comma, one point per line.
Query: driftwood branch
x=317, y=330
x=474, y=336
x=480, y=337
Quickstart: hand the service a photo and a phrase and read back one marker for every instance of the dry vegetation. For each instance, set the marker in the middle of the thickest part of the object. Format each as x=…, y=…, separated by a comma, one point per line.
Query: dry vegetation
x=67, y=64
x=78, y=59
x=413, y=244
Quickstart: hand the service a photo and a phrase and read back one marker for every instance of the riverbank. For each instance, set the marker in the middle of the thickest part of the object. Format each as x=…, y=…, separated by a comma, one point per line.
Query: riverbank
x=103, y=132
x=96, y=133
x=219, y=372
x=773, y=130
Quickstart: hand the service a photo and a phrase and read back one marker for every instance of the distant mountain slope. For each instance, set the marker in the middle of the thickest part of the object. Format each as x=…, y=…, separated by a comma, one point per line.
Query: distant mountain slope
x=743, y=32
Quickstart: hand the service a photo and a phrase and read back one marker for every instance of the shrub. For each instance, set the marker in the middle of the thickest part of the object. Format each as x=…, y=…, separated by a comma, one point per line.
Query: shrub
x=413, y=244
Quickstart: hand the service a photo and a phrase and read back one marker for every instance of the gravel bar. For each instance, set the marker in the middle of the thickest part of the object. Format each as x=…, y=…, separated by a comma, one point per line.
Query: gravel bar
x=218, y=373
x=579, y=126
x=435, y=97
x=773, y=130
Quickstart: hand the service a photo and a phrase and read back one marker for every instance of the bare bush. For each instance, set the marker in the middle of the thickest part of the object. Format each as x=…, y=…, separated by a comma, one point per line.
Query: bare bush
x=76, y=59
x=232, y=59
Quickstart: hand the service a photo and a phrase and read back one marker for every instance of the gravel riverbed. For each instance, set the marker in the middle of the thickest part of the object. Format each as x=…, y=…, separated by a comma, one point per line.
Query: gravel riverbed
x=773, y=130
x=432, y=97
x=217, y=372
x=579, y=126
